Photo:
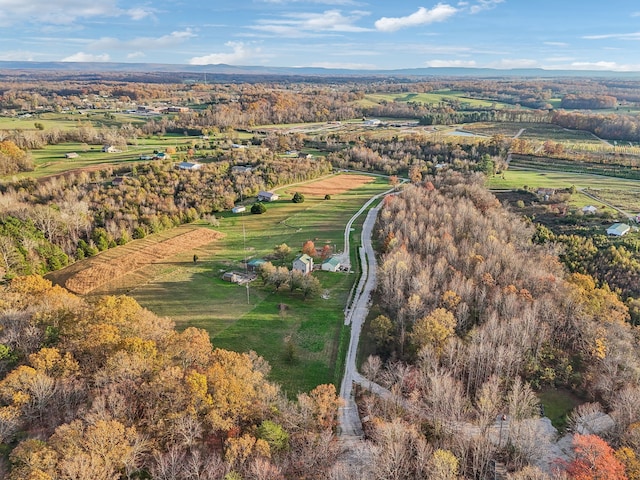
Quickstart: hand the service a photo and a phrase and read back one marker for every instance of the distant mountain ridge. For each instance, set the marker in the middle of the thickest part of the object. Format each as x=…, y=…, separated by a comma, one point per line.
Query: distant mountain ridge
x=223, y=69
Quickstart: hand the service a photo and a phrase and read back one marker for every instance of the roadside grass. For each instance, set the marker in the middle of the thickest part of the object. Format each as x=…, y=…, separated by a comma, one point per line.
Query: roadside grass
x=304, y=342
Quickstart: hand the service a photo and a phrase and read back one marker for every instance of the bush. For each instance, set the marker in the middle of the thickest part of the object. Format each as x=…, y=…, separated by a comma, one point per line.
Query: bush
x=297, y=198
x=258, y=208
x=327, y=197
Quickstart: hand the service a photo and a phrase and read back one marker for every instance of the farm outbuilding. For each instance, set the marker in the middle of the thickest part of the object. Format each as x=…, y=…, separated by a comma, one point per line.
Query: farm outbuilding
x=590, y=209
x=303, y=263
x=267, y=196
x=618, y=229
x=232, y=277
x=331, y=264
x=239, y=209
x=189, y=166
x=255, y=264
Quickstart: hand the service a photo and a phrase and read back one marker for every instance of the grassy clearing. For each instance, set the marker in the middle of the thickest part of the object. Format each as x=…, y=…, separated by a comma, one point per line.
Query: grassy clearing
x=558, y=404
x=302, y=343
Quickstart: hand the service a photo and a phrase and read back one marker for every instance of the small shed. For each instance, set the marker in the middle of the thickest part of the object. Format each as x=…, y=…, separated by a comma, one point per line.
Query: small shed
x=232, y=277
x=267, y=196
x=331, y=264
x=589, y=209
x=303, y=263
x=71, y=155
x=239, y=209
x=255, y=264
x=109, y=149
x=618, y=229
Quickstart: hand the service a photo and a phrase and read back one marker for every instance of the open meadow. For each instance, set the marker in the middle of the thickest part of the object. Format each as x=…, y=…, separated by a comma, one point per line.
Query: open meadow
x=619, y=192
x=301, y=339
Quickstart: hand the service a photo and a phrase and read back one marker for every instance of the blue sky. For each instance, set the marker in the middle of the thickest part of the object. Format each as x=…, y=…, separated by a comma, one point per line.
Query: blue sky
x=380, y=34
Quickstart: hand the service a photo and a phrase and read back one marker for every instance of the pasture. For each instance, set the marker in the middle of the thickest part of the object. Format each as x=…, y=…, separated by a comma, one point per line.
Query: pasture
x=432, y=98
x=299, y=338
x=619, y=192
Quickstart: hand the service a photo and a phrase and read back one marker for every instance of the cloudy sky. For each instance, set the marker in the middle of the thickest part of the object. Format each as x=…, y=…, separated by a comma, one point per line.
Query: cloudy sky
x=361, y=34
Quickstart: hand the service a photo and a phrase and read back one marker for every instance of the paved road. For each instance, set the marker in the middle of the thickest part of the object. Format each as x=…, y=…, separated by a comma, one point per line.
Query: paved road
x=345, y=257
x=350, y=425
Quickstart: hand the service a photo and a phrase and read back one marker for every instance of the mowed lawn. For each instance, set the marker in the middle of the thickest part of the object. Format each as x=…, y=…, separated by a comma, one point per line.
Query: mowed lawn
x=299, y=338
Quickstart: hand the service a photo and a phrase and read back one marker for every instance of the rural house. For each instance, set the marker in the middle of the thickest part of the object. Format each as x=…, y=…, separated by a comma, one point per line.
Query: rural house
x=331, y=264
x=589, y=209
x=239, y=209
x=303, y=263
x=71, y=155
x=109, y=149
x=618, y=229
x=267, y=196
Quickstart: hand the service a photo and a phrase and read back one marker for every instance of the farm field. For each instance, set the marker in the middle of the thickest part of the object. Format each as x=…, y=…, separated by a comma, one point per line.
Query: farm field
x=51, y=159
x=300, y=341
x=430, y=98
x=534, y=131
x=622, y=193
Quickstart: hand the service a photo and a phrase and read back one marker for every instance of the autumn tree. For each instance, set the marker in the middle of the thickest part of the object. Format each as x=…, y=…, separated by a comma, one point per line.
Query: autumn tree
x=309, y=248
x=594, y=459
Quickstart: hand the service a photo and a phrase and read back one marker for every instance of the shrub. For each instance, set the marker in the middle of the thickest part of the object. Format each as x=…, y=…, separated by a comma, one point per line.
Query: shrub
x=297, y=198
x=258, y=208
x=327, y=197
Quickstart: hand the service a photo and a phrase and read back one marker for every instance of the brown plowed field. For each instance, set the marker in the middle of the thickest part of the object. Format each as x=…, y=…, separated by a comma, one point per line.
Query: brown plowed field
x=101, y=272
x=333, y=185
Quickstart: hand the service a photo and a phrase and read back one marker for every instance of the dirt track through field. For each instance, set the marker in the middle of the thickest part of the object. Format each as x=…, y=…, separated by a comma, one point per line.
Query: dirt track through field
x=100, y=273
x=334, y=185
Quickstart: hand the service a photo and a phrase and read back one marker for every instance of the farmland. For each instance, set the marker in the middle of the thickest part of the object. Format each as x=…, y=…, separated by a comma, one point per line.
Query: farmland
x=299, y=338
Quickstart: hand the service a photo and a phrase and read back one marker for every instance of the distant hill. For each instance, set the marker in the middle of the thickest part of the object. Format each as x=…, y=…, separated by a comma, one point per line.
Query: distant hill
x=233, y=70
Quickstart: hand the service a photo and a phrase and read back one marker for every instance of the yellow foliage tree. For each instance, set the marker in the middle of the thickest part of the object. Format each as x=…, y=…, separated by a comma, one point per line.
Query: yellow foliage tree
x=434, y=330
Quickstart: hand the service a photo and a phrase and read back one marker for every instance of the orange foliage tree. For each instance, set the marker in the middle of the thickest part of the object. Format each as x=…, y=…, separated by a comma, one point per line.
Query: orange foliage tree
x=309, y=248
x=594, y=459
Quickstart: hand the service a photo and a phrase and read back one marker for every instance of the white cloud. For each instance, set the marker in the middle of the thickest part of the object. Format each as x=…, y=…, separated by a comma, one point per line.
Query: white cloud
x=602, y=65
x=423, y=16
x=508, y=63
x=451, y=63
x=136, y=55
x=617, y=36
x=64, y=12
x=304, y=24
x=140, y=13
x=635, y=14
x=241, y=53
x=556, y=44
x=484, y=5
x=17, y=56
x=142, y=43
x=86, y=57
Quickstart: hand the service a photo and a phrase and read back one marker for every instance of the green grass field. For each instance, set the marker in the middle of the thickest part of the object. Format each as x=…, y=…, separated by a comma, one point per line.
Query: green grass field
x=622, y=193
x=430, y=99
x=195, y=295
